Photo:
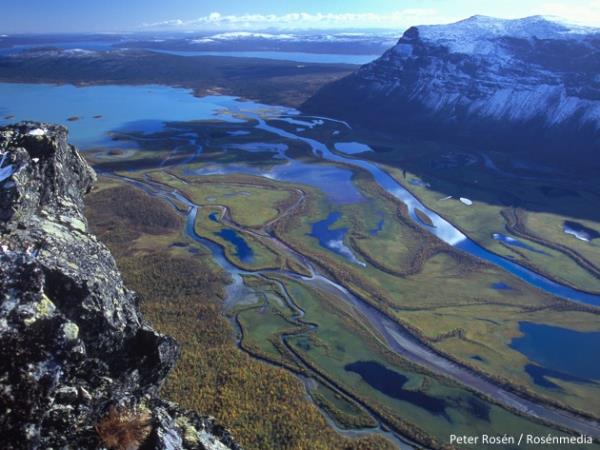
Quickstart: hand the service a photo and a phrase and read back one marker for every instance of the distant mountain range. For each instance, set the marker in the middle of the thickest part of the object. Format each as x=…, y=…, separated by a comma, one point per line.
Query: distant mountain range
x=315, y=42
x=528, y=85
x=372, y=42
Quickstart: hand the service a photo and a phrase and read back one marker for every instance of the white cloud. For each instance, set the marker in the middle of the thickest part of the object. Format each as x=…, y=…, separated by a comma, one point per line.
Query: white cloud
x=584, y=13
x=398, y=19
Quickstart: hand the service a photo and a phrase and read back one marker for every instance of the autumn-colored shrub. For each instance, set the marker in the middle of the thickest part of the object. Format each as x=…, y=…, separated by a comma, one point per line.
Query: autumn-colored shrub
x=124, y=429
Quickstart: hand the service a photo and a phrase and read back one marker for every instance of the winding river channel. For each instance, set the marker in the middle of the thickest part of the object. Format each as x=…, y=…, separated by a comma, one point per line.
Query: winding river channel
x=147, y=108
x=440, y=227
x=397, y=338
x=237, y=291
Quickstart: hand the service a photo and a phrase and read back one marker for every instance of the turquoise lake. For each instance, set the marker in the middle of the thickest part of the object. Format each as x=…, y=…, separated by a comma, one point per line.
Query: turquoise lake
x=140, y=108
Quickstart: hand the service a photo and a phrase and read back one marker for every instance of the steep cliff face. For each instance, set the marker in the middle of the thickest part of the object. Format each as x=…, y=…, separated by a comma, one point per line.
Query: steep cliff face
x=75, y=354
x=525, y=85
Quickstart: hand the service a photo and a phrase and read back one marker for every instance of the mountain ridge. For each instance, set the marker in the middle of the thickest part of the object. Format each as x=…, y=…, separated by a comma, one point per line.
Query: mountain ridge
x=464, y=83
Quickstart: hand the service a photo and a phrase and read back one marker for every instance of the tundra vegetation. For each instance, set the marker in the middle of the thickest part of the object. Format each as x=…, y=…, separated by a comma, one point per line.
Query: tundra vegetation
x=306, y=331
x=182, y=293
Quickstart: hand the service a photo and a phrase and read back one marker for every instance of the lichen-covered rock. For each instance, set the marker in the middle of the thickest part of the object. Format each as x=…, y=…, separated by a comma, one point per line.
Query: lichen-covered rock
x=73, y=345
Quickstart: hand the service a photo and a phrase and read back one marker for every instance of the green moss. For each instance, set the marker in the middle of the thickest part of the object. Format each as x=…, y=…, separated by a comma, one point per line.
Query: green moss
x=71, y=331
x=45, y=307
x=42, y=310
x=190, y=434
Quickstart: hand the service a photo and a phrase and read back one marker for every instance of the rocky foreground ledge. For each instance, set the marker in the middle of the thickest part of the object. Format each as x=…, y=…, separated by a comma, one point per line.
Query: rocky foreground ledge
x=79, y=367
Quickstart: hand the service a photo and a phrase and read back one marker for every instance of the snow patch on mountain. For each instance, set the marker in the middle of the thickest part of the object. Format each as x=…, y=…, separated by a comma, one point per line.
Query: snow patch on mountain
x=520, y=105
x=532, y=80
x=233, y=35
x=517, y=104
x=202, y=41
x=385, y=37
x=498, y=84
x=478, y=34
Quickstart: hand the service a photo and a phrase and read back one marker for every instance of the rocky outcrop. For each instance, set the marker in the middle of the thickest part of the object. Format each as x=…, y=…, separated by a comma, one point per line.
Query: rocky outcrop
x=77, y=360
x=526, y=86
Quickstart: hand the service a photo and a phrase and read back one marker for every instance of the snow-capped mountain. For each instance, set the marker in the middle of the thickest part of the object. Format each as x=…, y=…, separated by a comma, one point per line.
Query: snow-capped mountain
x=238, y=35
x=523, y=84
x=373, y=42
x=479, y=34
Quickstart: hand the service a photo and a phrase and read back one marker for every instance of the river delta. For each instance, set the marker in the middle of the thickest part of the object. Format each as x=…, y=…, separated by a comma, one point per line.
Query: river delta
x=404, y=310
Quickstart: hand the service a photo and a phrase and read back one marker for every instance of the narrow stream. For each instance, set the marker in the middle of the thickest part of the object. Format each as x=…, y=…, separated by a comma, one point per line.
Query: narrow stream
x=126, y=107
x=237, y=290
x=398, y=339
x=441, y=228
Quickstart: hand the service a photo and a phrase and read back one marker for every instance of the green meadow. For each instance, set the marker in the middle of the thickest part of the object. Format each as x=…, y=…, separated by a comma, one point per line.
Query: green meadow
x=445, y=297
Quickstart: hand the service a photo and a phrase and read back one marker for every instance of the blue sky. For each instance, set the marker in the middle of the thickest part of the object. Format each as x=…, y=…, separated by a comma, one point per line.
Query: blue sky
x=131, y=15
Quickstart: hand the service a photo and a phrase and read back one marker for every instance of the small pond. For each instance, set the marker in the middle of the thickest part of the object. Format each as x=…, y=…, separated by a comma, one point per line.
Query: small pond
x=333, y=239
x=242, y=250
x=580, y=231
x=557, y=349
x=391, y=383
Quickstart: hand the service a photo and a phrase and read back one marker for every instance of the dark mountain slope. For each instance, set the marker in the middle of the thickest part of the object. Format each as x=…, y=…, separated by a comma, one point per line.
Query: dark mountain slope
x=529, y=86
